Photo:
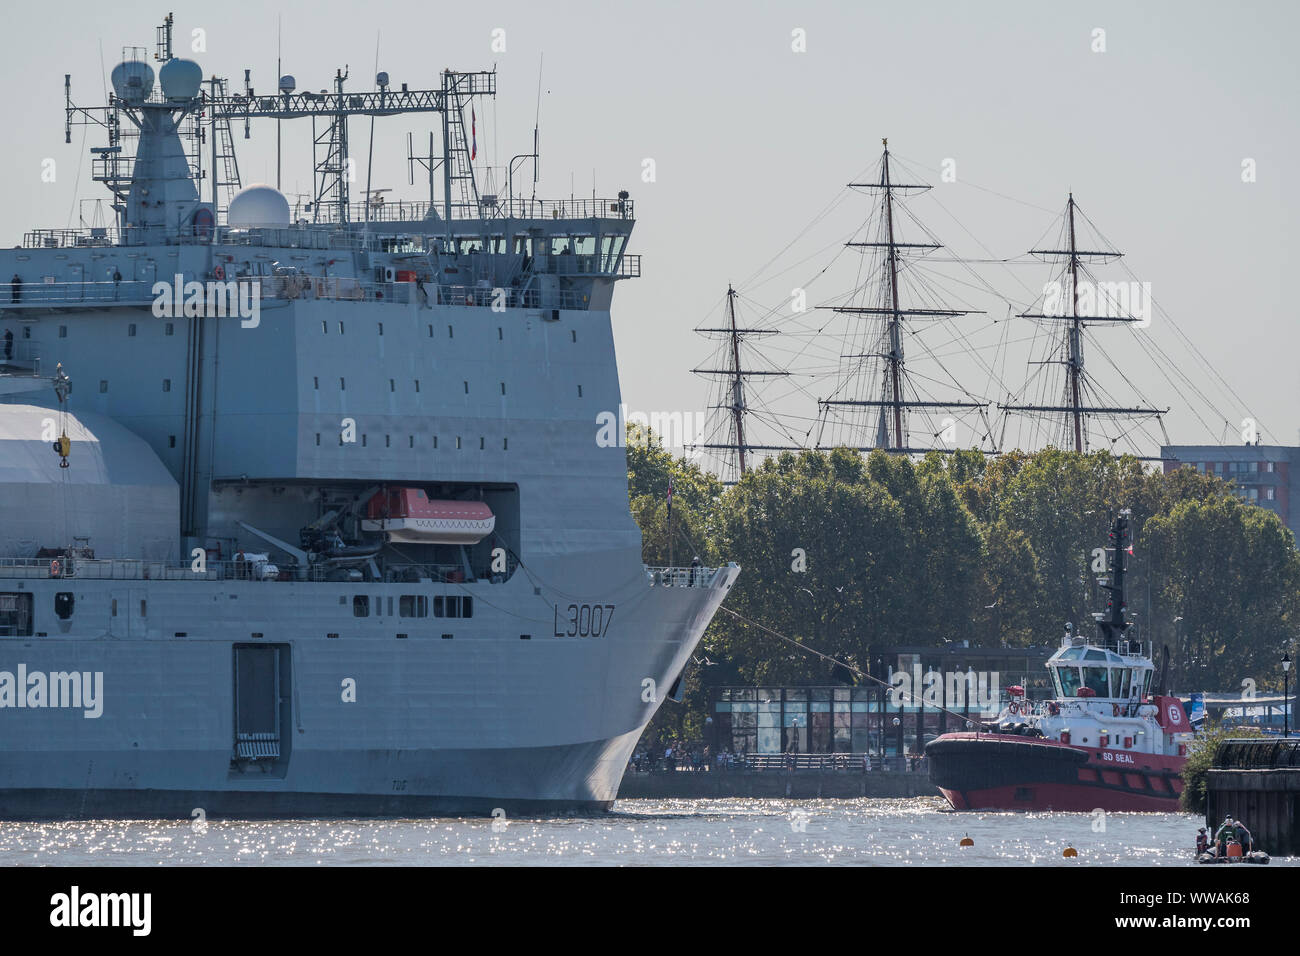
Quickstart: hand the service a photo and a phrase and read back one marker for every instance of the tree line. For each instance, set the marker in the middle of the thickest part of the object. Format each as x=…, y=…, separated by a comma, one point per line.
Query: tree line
x=844, y=551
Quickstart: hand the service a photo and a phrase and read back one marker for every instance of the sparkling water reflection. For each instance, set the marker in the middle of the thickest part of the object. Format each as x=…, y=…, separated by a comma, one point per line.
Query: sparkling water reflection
x=919, y=832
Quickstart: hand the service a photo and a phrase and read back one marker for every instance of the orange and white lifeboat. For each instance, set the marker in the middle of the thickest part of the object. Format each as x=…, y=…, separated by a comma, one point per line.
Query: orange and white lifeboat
x=408, y=515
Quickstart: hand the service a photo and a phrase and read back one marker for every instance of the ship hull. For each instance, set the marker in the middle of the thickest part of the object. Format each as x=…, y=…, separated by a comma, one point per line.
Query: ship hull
x=579, y=778
x=1006, y=772
x=386, y=717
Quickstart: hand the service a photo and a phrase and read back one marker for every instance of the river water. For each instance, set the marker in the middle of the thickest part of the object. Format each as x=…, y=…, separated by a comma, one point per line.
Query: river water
x=744, y=832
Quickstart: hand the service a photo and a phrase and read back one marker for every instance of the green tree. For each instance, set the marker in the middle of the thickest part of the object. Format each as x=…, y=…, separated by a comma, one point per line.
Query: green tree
x=1232, y=573
x=1200, y=758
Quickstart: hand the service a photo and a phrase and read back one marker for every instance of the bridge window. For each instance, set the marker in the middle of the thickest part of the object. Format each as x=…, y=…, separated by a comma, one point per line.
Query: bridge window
x=1096, y=678
x=611, y=247
x=1068, y=680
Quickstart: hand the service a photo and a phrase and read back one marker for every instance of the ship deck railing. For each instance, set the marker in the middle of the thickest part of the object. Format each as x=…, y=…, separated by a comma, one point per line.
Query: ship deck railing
x=696, y=577
x=136, y=569
x=327, y=231
x=64, y=296
x=485, y=208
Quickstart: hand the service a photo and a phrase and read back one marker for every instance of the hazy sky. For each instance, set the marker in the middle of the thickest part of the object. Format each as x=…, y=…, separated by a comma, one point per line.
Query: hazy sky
x=750, y=140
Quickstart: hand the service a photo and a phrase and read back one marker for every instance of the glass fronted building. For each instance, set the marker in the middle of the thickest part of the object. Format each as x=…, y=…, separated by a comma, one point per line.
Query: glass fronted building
x=929, y=691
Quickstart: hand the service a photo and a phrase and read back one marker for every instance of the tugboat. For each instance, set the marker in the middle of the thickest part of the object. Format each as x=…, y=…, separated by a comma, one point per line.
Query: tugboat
x=1109, y=739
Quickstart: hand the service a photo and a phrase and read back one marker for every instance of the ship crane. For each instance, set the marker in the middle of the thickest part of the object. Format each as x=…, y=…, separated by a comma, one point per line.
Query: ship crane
x=62, y=388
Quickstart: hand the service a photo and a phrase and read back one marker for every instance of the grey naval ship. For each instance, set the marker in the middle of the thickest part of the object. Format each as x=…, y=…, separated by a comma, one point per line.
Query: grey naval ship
x=303, y=510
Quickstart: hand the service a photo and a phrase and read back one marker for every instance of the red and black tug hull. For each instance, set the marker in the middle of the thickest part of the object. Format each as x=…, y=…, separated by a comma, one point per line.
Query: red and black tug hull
x=1009, y=772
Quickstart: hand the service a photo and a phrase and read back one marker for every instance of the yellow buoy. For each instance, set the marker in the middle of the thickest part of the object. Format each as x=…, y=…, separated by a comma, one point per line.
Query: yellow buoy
x=966, y=841
x=1070, y=851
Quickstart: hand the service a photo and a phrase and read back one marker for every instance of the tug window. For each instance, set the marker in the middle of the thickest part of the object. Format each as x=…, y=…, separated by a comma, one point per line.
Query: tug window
x=1069, y=679
x=1096, y=679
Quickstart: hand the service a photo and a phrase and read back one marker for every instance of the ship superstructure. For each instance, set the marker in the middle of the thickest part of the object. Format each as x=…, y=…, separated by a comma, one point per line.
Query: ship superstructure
x=336, y=534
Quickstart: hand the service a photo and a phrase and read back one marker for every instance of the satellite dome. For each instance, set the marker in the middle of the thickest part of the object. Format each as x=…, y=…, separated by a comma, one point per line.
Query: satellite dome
x=132, y=81
x=180, y=79
x=258, y=205
x=287, y=83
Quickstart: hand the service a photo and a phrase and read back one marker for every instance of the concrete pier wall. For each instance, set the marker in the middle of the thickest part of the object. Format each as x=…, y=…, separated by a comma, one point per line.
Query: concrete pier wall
x=797, y=785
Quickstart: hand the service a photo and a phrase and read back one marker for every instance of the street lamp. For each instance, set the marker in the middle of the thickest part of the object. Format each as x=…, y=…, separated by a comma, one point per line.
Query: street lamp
x=1286, y=667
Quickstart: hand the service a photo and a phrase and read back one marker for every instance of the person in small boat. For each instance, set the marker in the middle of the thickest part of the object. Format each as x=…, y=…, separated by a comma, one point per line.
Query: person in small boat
x=1202, y=841
x=1227, y=831
x=1243, y=837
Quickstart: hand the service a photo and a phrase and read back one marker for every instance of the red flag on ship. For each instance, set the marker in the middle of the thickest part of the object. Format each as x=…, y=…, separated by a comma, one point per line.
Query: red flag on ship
x=473, y=132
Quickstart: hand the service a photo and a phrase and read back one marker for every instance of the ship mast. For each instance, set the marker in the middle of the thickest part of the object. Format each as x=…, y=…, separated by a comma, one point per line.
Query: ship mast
x=1074, y=409
x=734, y=402
x=1112, y=623
x=1075, y=359
x=893, y=402
x=738, y=382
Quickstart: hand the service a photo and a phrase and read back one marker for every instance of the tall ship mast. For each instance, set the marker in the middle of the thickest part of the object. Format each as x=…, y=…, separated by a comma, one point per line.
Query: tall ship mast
x=877, y=381
x=1080, y=400
x=302, y=505
x=732, y=448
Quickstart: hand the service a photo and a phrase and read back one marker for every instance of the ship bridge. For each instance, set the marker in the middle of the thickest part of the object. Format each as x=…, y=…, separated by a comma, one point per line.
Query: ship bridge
x=1100, y=672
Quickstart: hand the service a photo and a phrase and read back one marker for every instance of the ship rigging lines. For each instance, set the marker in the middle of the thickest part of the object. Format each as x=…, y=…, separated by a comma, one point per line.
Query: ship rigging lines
x=914, y=347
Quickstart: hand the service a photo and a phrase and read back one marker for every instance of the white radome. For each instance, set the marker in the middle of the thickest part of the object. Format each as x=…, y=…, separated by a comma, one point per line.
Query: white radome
x=180, y=79
x=258, y=205
x=132, y=81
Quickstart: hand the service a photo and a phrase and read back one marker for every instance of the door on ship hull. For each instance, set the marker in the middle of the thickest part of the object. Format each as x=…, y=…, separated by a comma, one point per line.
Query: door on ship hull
x=128, y=613
x=262, y=708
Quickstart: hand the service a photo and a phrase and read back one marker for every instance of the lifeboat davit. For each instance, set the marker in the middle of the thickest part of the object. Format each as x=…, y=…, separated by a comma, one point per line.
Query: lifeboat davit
x=408, y=515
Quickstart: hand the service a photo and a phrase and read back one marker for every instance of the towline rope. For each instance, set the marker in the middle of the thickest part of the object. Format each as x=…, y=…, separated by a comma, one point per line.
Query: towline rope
x=849, y=667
